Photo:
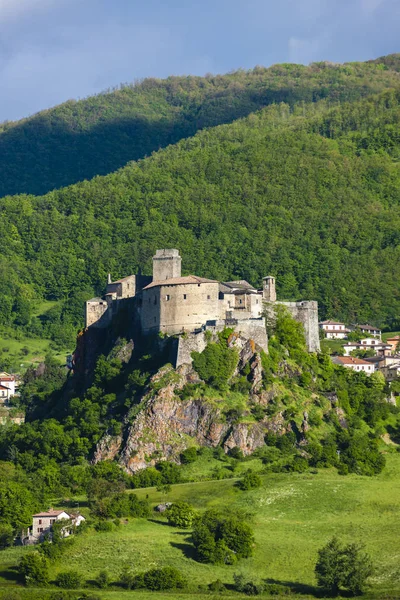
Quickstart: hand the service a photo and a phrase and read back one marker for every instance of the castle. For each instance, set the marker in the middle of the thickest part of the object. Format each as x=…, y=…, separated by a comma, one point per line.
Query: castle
x=171, y=304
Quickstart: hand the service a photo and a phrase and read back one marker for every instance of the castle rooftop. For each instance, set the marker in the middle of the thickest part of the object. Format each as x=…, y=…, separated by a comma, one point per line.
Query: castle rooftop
x=180, y=281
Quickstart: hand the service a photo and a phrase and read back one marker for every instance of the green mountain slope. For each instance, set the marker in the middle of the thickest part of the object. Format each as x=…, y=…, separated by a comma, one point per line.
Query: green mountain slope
x=310, y=195
x=78, y=140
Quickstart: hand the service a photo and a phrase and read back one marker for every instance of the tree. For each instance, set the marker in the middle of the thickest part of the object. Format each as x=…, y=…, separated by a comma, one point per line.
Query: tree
x=180, y=514
x=341, y=566
x=6, y=535
x=33, y=569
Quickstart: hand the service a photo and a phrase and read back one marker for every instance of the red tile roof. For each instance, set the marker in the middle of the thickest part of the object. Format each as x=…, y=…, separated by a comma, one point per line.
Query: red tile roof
x=351, y=360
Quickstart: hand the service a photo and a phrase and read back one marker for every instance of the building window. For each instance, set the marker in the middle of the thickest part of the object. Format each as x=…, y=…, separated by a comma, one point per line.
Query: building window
x=40, y=521
x=208, y=297
x=41, y=530
x=240, y=302
x=198, y=285
x=168, y=297
x=184, y=296
x=256, y=301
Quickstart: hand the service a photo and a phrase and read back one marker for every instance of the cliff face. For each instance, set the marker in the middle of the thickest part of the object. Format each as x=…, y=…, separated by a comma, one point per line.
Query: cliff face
x=167, y=422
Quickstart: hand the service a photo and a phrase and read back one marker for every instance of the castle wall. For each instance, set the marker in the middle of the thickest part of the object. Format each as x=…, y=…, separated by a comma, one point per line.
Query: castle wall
x=97, y=313
x=306, y=313
x=193, y=342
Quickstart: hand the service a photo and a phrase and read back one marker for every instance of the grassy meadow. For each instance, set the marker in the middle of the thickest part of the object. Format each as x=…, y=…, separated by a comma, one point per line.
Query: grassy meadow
x=293, y=515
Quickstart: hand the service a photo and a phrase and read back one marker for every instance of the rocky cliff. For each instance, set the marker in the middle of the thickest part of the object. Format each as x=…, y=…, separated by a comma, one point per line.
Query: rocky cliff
x=175, y=413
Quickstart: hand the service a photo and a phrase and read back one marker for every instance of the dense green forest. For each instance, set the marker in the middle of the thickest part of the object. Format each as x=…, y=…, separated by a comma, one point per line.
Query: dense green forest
x=308, y=193
x=80, y=139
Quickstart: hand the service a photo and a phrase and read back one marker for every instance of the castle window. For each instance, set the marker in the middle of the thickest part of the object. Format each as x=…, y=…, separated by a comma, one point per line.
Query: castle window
x=155, y=319
x=184, y=296
x=198, y=285
x=240, y=302
x=257, y=301
x=155, y=299
x=149, y=300
x=208, y=297
x=168, y=297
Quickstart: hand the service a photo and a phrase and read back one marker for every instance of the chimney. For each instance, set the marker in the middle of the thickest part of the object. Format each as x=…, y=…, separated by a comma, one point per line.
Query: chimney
x=109, y=279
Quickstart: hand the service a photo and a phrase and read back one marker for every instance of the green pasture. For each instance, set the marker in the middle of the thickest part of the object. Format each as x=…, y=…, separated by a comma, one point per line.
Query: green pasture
x=292, y=514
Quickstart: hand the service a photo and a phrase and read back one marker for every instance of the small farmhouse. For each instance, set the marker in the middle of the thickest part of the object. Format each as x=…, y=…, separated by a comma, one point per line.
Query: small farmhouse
x=44, y=521
x=334, y=330
x=356, y=364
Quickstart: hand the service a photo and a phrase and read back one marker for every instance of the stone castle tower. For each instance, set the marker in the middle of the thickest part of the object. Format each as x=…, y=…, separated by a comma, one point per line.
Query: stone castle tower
x=166, y=264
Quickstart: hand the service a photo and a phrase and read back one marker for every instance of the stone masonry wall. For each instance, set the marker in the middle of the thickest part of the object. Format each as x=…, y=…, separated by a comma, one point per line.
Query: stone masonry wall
x=307, y=314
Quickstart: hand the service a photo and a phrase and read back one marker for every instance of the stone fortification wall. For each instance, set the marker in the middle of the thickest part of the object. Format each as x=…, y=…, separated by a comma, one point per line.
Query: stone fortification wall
x=192, y=342
x=173, y=309
x=251, y=329
x=307, y=314
x=97, y=313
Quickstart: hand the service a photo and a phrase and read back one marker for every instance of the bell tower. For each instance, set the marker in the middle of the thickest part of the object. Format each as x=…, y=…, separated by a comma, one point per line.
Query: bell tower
x=269, y=289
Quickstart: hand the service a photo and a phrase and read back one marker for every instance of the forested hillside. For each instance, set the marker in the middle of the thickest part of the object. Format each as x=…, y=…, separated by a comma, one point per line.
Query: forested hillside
x=80, y=139
x=309, y=194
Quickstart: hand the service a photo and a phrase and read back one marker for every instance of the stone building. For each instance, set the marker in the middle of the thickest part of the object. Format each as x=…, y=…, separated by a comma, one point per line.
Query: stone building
x=171, y=304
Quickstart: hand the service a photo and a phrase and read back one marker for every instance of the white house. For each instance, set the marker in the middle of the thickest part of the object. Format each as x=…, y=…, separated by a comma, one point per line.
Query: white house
x=8, y=381
x=356, y=364
x=334, y=330
x=368, y=330
x=43, y=523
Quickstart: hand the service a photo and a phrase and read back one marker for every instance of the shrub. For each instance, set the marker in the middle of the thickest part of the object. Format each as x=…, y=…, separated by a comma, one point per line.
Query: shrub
x=236, y=452
x=250, y=588
x=69, y=580
x=189, y=455
x=342, y=567
x=180, y=514
x=104, y=526
x=216, y=586
x=216, y=363
x=127, y=579
x=33, y=569
x=165, y=578
x=250, y=481
x=102, y=580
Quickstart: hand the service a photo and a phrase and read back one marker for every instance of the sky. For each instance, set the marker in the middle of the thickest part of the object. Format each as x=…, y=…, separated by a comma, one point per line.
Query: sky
x=55, y=50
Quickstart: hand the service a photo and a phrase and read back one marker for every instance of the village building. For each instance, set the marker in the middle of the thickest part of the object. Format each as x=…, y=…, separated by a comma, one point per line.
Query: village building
x=44, y=521
x=378, y=347
x=356, y=364
x=334, y=330
x=171, y=304
x=391, y=372
x=368, y=330
x=394, y=343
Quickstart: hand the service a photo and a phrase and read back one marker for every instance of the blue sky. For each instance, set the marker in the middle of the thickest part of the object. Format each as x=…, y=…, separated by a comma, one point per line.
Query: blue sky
x=54, y=50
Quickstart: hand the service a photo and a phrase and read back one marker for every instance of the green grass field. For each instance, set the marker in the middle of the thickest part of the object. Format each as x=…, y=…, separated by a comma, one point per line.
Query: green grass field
x=292, y=514
x=23, y=351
